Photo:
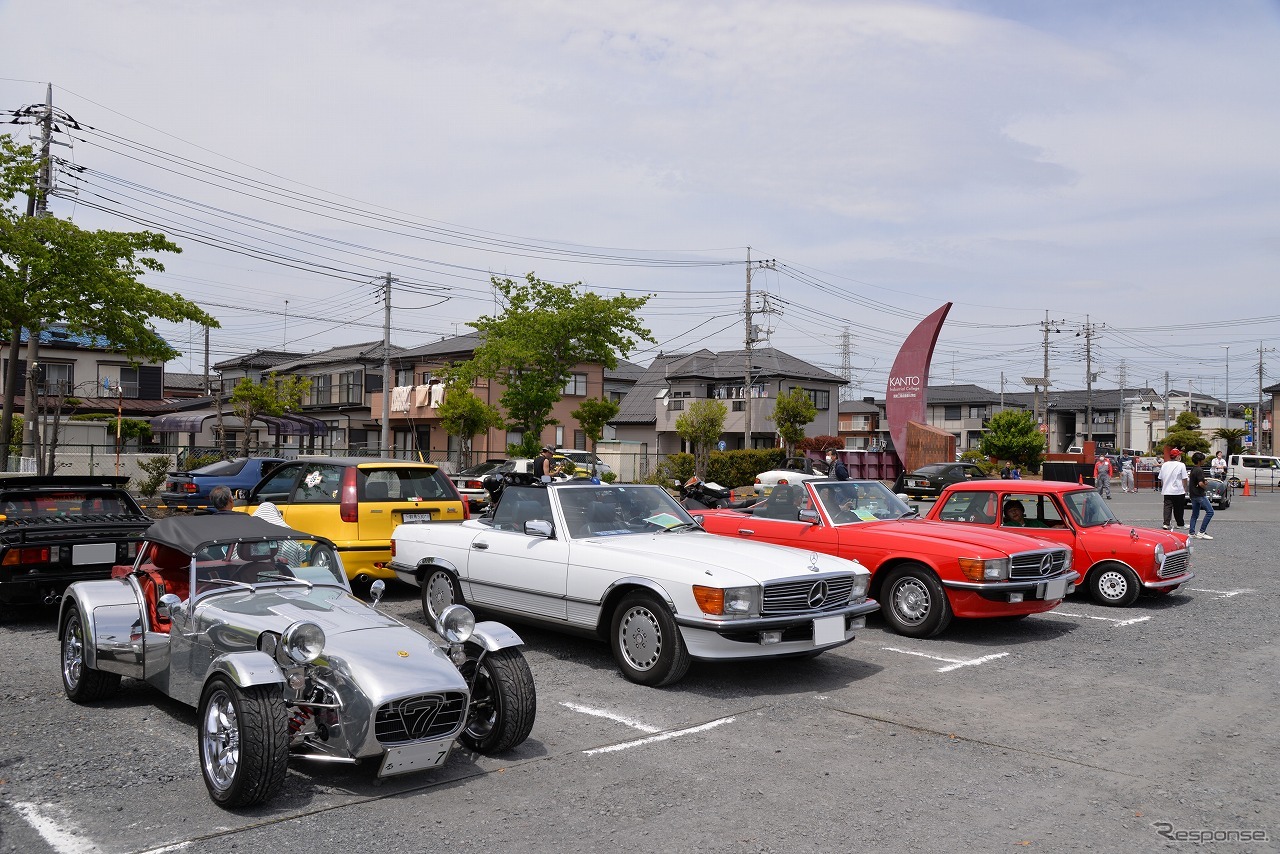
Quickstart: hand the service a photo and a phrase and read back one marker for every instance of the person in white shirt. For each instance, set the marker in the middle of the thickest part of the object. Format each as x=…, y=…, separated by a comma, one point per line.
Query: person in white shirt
x=1173, y=479
x=1218, y=466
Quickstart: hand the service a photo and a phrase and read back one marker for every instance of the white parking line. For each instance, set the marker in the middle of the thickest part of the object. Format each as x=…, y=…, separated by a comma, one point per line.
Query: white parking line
x=1119, y=622
x=1222, y=594
x=601, y=713
x=60, y=834
x=953, y=663
x=656, y=738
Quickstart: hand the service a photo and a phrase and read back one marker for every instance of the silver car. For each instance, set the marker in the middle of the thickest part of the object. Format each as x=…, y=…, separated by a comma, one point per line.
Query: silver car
x=254, y=624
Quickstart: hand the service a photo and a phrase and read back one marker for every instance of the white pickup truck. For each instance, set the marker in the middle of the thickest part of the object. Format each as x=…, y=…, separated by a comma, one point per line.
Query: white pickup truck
x=626, y=563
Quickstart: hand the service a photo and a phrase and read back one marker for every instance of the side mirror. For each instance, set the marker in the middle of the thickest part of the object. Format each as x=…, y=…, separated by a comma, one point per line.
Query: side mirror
x=169, y=604
x=538, y=528
x=810, y=516
x=377, y=590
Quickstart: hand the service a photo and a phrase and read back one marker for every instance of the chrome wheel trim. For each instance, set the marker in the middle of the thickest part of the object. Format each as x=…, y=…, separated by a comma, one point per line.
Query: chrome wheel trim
x=1113, y=585
x=73, y=651
x=911, y=601
x=640, y=638
x=439, y=593
x=220, y=740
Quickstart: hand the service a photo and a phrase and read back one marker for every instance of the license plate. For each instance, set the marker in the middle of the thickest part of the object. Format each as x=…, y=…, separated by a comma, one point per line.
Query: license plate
x=415, y=757
x=828, y=630
x=415, y=517
x=1055, y=588
x=86, y=553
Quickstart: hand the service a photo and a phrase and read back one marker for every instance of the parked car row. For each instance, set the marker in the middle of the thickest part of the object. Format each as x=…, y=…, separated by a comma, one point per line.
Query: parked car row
x=252, y=621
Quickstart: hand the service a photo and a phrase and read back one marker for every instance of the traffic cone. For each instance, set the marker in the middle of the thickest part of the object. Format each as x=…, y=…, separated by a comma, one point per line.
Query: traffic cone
x=1080, y=477
x=1246, y=489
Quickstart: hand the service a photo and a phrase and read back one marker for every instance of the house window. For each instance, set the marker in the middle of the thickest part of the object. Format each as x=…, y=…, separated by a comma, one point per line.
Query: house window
x=129, y=382
x=821, y=397
x=675, y=405
x=55, y=379
x=404, y=376
x=977, y=412
x=580, y=440
x=336, y=436
x=738, y=405
x=514, y=437
x=560, y=436
x=951, y=413
x=321, y=390
x=349, y=387
x=577, y=385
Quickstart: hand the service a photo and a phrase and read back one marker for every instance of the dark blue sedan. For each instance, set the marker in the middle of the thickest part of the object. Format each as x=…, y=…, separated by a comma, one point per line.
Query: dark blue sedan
x=190, y=489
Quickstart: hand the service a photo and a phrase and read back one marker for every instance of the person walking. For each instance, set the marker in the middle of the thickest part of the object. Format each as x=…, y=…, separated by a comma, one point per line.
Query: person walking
x=1126, y=475
x=836, y=467
x=1200, y=502
x=1007, y=471
x=1173, y=479
x=1102, y=476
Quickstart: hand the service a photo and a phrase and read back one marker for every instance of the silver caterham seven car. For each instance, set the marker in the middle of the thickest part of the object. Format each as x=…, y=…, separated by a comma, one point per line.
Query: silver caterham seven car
x=254, y=624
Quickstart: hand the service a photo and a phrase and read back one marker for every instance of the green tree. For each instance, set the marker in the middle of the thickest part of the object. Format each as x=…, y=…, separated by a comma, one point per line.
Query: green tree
x=1185, y=435
x=791, y=413
x=543, y=333
x=1014, y=435
x=701, y=425
x=464, y=415
x=273, y=396
x=593, y=414
x=1233, y=436
x=53, y=270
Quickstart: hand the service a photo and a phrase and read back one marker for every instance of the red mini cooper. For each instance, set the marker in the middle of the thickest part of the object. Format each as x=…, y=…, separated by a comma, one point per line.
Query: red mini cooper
x=1116, y=561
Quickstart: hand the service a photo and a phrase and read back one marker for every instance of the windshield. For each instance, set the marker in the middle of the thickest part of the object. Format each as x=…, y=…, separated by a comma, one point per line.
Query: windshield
x=1088, y=508
x=606, y=511
x=235, y=565
x=224, y=468
x=848, y=502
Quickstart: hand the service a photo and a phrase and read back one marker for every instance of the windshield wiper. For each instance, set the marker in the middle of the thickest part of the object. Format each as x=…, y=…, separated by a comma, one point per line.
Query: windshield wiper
x=280, y=576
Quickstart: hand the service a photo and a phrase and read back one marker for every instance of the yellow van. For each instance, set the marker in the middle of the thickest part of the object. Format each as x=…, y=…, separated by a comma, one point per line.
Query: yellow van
x=357, y=502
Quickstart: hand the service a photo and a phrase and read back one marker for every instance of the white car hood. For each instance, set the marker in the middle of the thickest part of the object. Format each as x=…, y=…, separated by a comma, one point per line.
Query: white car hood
x=725, y=560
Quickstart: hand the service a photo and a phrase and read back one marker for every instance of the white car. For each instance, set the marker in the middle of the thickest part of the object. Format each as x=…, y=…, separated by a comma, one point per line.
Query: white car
x=793, y=470
x=628, y=564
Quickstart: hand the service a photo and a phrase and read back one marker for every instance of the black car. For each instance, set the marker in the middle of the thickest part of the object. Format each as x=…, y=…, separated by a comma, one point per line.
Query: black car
x=59, y=529
x=1219, y=492
x=929, y=481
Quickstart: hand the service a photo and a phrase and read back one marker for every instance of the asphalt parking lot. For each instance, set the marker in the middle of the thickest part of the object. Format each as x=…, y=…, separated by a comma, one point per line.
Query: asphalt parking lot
x=1086, y=728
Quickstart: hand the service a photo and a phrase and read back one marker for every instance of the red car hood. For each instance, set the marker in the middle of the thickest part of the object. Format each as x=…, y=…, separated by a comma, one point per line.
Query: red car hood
x=1100, y=537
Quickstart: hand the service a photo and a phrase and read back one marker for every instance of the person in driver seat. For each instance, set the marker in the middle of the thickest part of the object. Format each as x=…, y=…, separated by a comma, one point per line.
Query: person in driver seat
x=1015, y=516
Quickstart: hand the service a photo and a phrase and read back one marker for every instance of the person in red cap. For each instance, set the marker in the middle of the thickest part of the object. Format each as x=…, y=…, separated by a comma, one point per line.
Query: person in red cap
x=1173, y=479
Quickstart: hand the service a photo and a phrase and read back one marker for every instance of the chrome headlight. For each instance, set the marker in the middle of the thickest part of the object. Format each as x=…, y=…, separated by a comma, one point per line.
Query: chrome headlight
x=303, y=641
x=976, y=569
x=456, y=624
x=728, y=601
x=1160, y=554
x=1071, y=559
x=861, y=582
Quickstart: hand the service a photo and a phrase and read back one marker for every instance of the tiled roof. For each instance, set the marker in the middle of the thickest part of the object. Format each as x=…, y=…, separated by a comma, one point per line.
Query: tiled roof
x=347, y=353
x=627, y=372
x=195, y=382
x=638, y=407
x=258, y=359
x=766, y=362
x=460, y=345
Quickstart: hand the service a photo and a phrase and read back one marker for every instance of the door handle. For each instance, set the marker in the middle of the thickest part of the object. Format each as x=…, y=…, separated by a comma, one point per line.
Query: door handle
x=480, y=546
x=746, y=532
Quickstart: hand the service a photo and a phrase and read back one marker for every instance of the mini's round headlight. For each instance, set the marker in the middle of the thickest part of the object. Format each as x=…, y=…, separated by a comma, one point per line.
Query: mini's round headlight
x=303, y=641
x=1159, y=554
x=456, y=623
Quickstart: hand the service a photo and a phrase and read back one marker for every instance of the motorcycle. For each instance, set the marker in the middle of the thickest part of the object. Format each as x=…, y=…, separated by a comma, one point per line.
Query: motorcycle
x=698, y=494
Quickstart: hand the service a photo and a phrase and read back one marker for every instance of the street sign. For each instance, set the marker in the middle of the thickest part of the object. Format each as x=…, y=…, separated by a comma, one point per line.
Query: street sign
x=721, y=445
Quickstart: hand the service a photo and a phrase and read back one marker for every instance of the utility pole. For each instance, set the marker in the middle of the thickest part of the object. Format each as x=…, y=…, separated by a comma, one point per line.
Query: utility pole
x=386, y=366
x=750, y=339
x=1166, y=403
x=37, y=205
x=1089, y=377
x=208, y=387
x=846, y=364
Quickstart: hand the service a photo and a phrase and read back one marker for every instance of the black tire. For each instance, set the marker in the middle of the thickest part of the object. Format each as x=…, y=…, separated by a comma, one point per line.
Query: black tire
x=504, y=701
x=243, y=737
x=439, y=590
x=646, y=642
x=914, y=603
x=82, y=683
x=1114, y=585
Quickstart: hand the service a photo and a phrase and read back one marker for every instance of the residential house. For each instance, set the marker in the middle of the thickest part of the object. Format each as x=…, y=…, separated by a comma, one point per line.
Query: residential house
x=649, y=412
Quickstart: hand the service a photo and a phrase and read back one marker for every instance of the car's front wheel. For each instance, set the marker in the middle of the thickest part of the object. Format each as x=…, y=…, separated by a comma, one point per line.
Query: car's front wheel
x=504, y=701
x=439, y=591
x=82, y=683
x=1114, y=584
x=646, y=642
x=244, y=742
x=914, y=603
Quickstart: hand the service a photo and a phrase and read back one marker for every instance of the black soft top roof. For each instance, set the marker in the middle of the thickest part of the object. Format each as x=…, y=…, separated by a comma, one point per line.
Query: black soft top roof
x=189, y=533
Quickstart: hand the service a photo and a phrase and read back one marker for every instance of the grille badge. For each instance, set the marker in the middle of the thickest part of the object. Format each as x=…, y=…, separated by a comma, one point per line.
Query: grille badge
x=818, y=594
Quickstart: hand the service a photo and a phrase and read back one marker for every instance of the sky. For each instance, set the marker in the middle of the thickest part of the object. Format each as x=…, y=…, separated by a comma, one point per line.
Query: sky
x=1110, y=166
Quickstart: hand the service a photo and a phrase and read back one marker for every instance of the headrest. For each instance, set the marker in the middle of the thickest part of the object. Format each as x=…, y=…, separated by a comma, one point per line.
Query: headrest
x=167, y=557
